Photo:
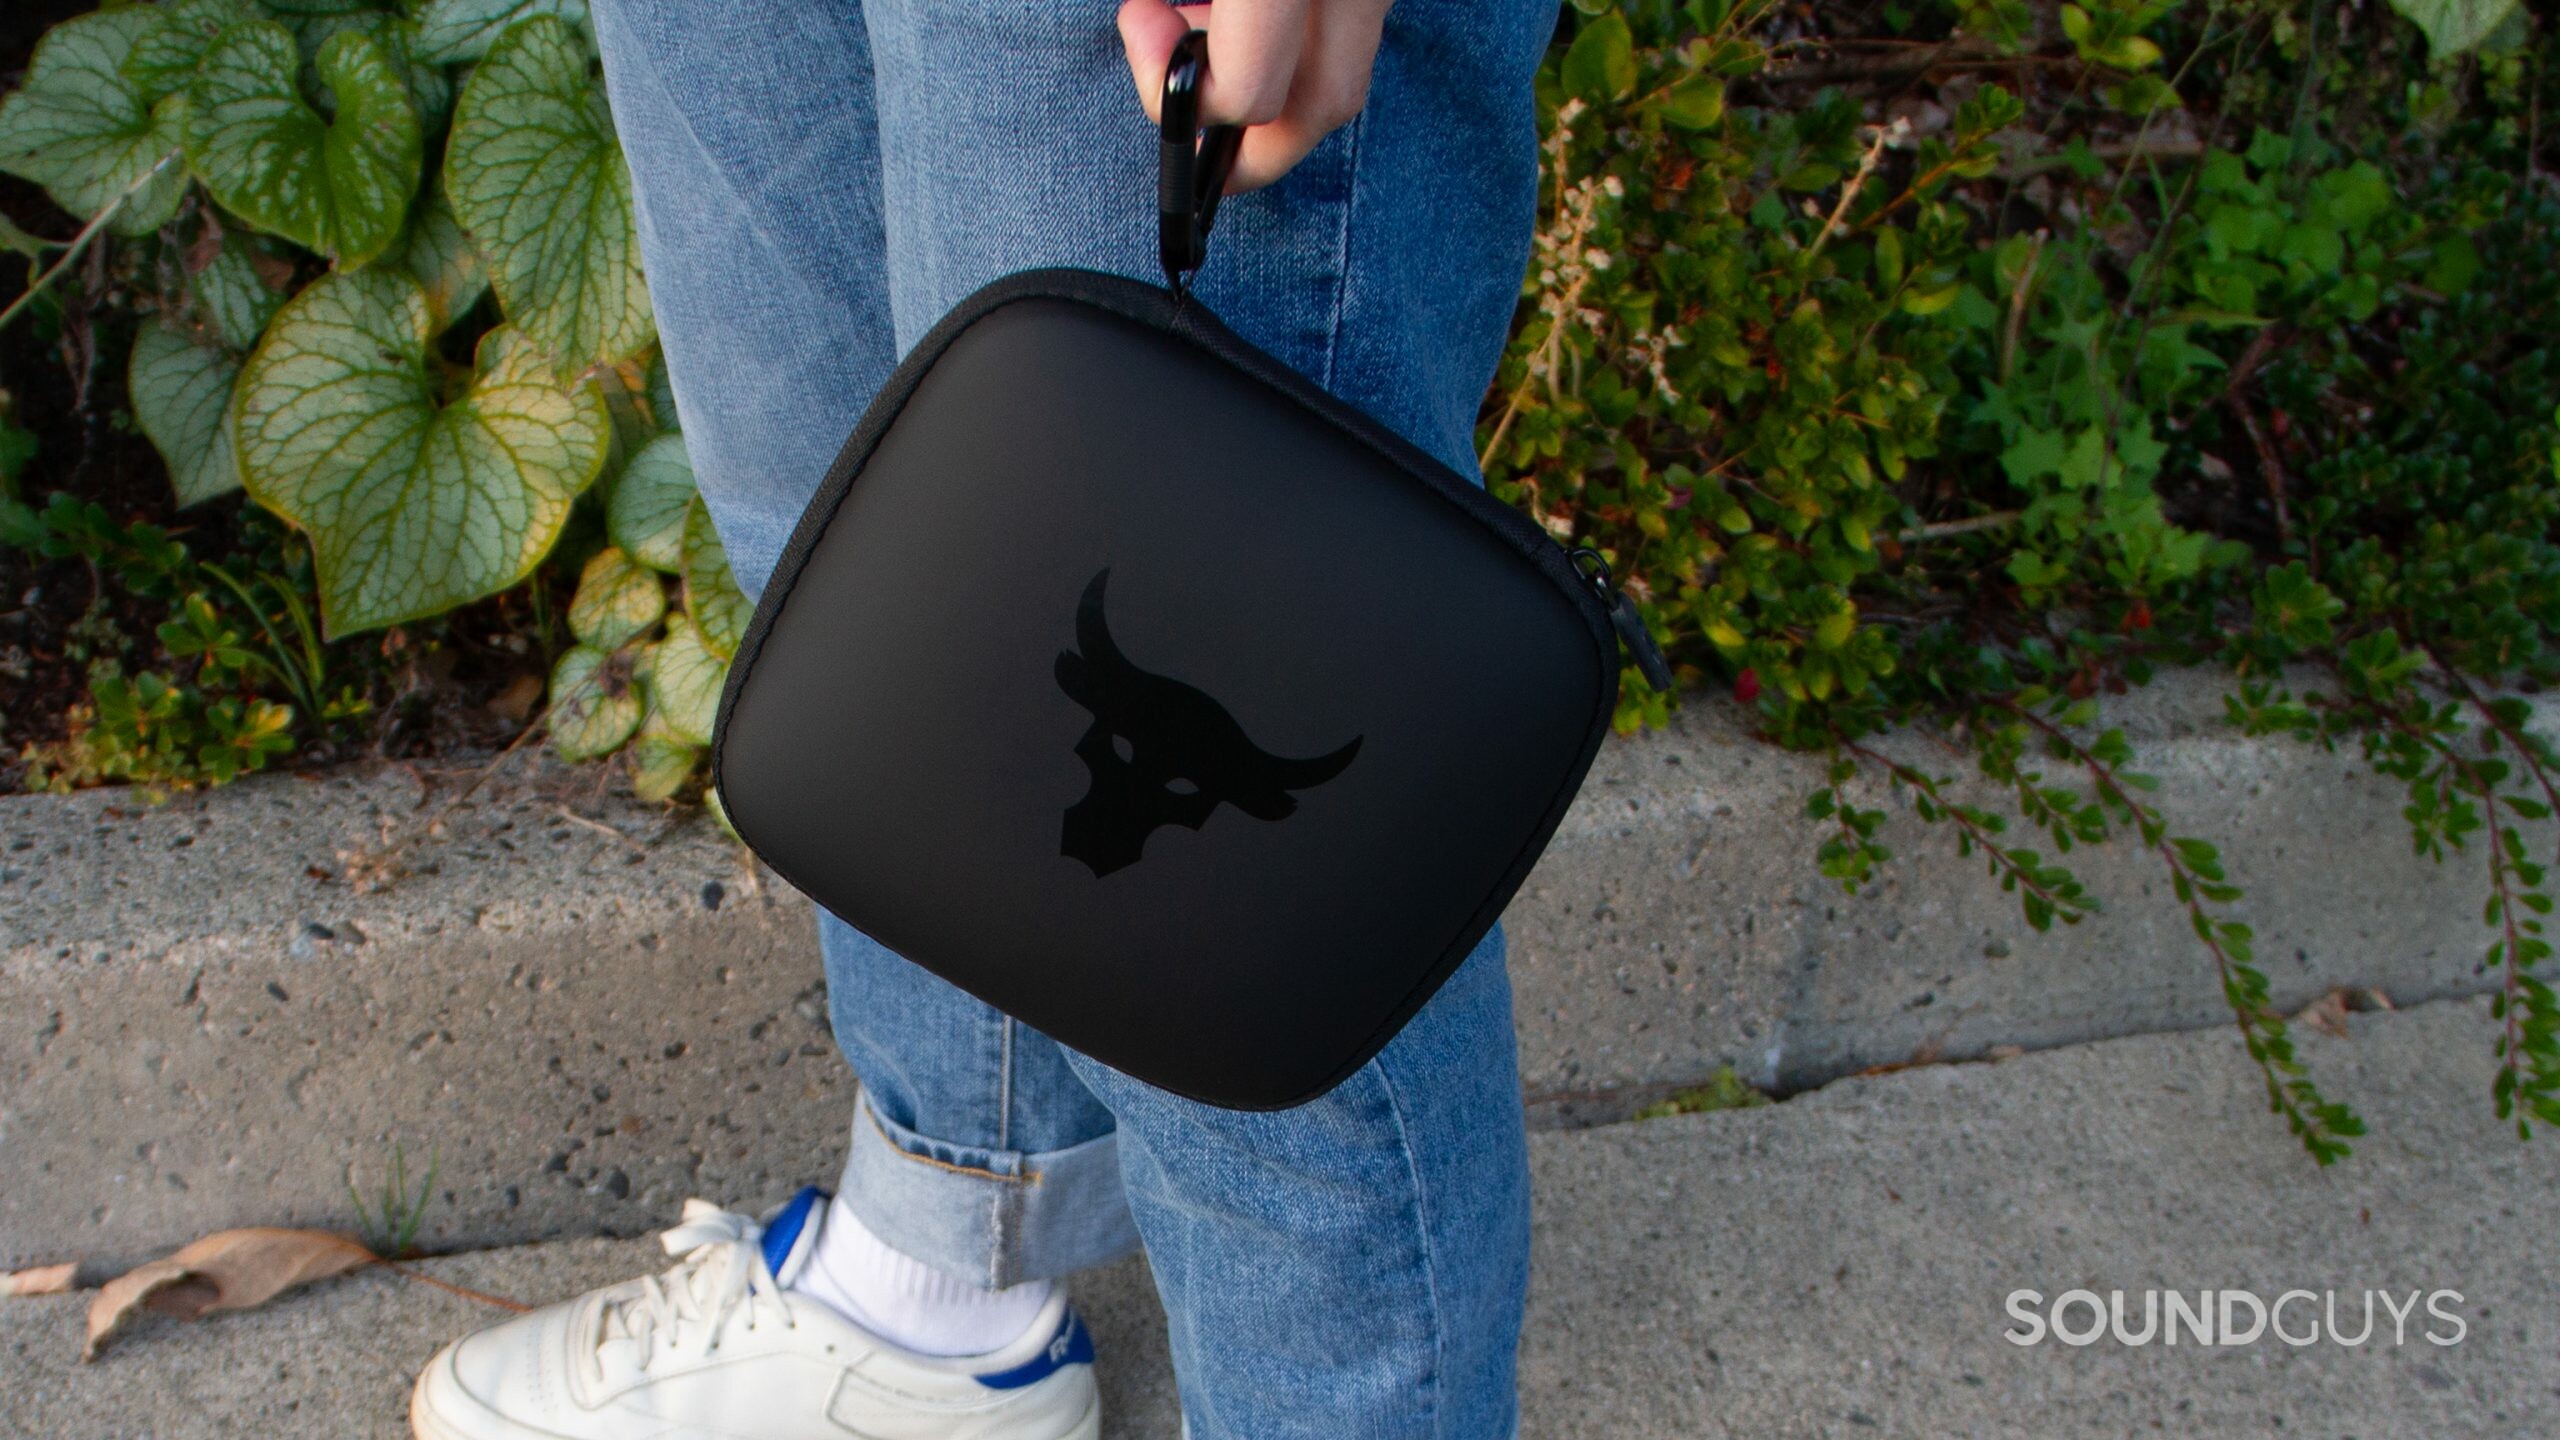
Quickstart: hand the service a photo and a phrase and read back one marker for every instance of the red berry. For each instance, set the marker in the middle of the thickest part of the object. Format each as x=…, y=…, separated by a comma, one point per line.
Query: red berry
x=1746, y=686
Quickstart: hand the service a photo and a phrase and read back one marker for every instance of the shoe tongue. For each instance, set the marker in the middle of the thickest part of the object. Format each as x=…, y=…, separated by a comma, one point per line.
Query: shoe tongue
x=791, y=1236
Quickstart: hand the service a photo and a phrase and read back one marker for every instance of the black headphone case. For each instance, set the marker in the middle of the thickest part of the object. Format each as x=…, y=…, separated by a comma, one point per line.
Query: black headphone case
x=1126, y=680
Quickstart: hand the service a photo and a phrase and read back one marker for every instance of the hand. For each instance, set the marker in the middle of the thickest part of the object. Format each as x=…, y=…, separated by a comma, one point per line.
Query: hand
x=1293, y=70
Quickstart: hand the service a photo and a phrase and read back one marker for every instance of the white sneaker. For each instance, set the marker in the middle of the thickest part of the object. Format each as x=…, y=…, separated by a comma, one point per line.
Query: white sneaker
x=719, y=1349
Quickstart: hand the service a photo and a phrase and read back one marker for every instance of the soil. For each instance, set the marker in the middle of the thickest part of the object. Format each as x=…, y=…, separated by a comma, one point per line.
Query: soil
x=42, y=372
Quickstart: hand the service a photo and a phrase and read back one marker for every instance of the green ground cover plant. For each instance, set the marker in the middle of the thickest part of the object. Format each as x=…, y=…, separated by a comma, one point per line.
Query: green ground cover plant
x=2138, y=334
x=1949, y=364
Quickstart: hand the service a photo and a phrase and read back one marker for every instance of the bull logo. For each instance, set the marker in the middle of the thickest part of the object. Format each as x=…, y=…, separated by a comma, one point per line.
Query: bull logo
x=1161, y=752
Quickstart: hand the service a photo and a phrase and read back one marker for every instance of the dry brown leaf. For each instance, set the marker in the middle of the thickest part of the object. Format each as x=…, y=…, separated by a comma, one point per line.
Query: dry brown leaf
x=2328, y=1014
x=229, y=1270
x=41, y=1280
x=514, y=705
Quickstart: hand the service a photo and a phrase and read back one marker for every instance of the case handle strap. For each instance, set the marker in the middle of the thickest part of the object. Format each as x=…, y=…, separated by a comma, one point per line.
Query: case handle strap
x=1192, y=166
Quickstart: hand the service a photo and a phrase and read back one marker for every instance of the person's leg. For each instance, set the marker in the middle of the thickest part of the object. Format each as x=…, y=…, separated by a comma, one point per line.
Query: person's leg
x=755, y=157
x=977, y=1157
x=1354, y=1267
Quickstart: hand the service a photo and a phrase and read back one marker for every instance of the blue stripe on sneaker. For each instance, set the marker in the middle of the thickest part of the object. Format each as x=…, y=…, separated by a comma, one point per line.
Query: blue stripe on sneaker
x=1072, y=1345
x=784, y=1230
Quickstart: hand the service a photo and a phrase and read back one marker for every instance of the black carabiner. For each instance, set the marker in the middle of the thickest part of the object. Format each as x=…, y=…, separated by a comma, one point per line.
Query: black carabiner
x=1192, y=168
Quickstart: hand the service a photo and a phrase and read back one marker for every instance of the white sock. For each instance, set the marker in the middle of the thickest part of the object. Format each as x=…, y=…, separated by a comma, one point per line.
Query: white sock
x=907, y=1302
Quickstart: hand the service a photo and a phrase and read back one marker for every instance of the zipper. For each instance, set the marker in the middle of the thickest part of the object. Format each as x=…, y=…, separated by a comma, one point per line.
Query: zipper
x=1624, y=617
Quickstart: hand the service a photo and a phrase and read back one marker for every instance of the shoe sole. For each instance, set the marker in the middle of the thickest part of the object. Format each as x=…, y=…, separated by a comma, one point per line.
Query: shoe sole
x=426, y=1424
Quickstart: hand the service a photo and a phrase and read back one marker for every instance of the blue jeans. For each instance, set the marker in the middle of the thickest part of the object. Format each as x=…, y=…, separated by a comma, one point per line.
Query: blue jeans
x=818, y=182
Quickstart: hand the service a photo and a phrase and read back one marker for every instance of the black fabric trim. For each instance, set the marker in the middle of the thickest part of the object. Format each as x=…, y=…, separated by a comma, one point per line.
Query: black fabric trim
x=1187, y=319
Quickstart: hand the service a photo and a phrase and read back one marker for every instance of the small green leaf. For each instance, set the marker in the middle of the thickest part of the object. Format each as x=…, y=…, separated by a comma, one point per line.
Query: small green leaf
x=661, y=763
x=617, y=600
x=2131, y=52
x=538, y=179
x=458, y=31
x=1694, y=103
x=684, y=682
x=1834, y=629
x=720, y=817
x=413, y=507
x=2454, y=265
x=647, y=512
x=661, y=392
x=1601, y=64
x=82, y=130
x=2453, y=26
x=339, y=186
x=430, y=86
x=594, y=706
x=711, y=594
x=181, y=394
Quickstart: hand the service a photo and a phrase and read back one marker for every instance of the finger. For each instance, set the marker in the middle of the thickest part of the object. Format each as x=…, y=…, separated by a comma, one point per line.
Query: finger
x=1269, y=152
x=1330, y=87
x=1248, y=76
x=1149, y=29
x=1254, y=47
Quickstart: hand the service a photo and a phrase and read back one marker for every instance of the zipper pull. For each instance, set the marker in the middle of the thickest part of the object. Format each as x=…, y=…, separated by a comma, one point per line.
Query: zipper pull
x=1625, y=618
x=1639, y=641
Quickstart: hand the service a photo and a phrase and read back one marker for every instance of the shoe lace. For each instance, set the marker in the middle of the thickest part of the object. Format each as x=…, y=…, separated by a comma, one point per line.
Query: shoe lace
x=720, y=1274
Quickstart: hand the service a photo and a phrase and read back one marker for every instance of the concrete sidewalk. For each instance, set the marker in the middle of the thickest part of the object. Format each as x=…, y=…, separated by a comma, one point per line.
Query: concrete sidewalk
x=1836, y=1265
x=590, y=1008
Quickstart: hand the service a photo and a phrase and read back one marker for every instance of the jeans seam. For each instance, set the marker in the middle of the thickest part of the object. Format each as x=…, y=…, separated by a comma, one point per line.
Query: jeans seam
x=1422, y=1234
x=791, y=256
x=1342, y=249
x=1004, y=1083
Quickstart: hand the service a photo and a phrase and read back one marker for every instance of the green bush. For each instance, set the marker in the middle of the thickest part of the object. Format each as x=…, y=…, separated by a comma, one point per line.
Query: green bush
x=1951, y=365
x=1938, y=414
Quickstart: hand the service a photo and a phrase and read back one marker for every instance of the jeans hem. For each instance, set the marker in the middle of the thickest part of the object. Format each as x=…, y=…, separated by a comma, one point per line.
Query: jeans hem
x=991, y=1216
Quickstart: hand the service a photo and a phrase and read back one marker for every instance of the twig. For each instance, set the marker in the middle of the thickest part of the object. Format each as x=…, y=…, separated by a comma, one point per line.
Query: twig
x=2529, y=753
x=71, y=253
x=2103, y=777
x=2270, y=464
x=601, y=828
x=2254, y=354
x=1970, y=525
x=515, y=1307
x=2020, y=298
x=1867, y=163
x=385, y=864
x=2511, y=956
x=1971, y=823
x=2235, y=399
x=2140, y=149
x=2511, y=980
x=537, y=725
x=1913, y=59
